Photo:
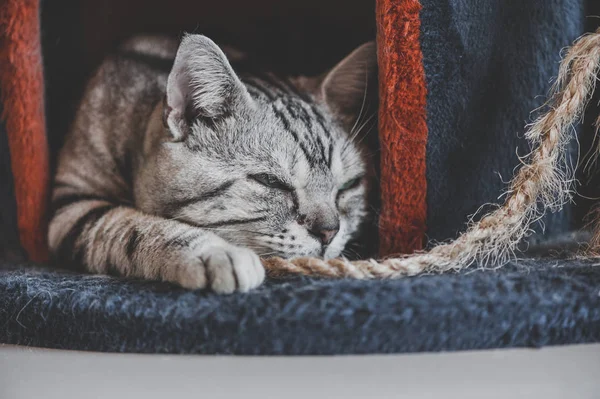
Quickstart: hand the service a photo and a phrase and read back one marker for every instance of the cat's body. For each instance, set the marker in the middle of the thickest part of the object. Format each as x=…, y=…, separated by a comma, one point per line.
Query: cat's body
x=178, y=170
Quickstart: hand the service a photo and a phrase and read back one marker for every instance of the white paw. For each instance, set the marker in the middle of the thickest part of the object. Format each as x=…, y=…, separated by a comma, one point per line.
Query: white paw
x=230, y=268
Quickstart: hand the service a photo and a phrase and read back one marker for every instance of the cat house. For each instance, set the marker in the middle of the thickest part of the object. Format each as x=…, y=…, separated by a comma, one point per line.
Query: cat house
x=308, y=38
x=458, y=84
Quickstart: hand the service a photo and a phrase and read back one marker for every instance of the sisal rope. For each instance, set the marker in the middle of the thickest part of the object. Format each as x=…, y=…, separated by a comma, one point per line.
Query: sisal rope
x=542, y=183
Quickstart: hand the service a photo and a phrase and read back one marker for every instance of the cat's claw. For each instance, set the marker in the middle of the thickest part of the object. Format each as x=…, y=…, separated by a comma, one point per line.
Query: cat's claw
x=230, y=268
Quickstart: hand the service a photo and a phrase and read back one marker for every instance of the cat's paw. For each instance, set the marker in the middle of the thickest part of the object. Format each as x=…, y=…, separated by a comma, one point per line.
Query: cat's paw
x=217, y=265
x=230, y=268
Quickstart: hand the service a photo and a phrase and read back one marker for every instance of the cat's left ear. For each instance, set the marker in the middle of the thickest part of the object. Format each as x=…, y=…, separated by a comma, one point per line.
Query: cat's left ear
x=202, y=84
x=345, y=87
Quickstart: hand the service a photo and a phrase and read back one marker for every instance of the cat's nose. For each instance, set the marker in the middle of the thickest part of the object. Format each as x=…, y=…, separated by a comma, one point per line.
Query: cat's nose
x=324, y=233
x=327, y=236
x=323, y=223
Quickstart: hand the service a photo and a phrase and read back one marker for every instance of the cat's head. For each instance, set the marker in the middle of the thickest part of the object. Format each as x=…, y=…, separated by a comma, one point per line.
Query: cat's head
x=273, y=165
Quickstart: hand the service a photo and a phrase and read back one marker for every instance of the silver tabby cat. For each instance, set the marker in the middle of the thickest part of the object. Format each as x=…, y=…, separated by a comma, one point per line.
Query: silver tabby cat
x=179, y=169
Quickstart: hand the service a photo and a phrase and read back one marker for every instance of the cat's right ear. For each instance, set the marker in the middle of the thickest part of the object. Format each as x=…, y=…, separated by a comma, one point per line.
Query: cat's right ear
x=344, y=88
x=201, y=85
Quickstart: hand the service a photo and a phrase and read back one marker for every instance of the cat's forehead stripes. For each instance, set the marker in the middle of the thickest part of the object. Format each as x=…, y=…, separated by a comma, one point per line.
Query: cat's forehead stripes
x=272, y=86
x=313, y=149
x=299, y=116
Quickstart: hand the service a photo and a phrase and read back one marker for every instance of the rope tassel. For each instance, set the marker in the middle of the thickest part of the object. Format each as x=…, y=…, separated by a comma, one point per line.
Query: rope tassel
x=542, y=183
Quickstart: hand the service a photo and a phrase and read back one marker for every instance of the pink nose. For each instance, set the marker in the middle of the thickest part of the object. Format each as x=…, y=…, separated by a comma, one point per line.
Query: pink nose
x=323, y=228
x=326, y=236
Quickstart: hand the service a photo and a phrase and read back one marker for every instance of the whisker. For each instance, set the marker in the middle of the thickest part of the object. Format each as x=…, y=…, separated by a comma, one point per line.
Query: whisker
x=365, y=135
x=255, y=232
x=364, y=101
x=353, y=136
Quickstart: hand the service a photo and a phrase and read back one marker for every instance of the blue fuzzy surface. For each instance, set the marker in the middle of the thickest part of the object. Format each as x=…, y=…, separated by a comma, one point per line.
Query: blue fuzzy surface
x=532, y=304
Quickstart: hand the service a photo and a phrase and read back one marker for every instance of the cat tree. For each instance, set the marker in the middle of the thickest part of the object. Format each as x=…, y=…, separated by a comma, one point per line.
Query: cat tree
x=403, y=133
x=457, y=83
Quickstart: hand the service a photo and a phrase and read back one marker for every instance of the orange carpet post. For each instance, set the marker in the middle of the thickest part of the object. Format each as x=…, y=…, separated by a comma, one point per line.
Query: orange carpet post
x=402, y=127
x=22, y=89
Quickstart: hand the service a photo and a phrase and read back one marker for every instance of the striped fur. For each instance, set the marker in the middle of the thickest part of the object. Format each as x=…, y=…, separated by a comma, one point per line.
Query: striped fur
x=179, y=169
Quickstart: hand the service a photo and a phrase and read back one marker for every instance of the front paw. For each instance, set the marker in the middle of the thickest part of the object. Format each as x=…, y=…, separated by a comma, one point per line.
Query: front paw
x=230, y=268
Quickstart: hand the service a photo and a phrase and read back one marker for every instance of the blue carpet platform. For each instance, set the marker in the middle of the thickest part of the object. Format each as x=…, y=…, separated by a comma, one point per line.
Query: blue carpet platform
x=530, y=304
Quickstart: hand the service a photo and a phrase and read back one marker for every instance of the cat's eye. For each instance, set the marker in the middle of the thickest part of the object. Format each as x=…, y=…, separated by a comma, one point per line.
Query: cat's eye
x=350, y=184
x=271, y=181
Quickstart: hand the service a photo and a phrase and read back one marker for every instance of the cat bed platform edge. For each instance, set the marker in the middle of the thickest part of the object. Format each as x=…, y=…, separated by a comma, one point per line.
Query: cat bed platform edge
x=532, y=303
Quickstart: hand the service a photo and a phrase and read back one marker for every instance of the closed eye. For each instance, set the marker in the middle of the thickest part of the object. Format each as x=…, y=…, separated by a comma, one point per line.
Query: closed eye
x=350, y=184
x=271, y=181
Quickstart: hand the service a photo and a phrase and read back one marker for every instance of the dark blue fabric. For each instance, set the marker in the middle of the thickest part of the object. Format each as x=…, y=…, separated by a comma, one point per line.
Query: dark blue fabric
x=488, y=65
x=534, y=304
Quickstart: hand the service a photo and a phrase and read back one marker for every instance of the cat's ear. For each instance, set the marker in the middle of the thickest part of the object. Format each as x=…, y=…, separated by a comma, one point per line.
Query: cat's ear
x=345, y=87
x=202, y=84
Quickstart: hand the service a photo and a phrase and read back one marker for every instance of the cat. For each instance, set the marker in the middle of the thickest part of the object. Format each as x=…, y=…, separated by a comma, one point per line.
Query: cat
x=179, y=169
